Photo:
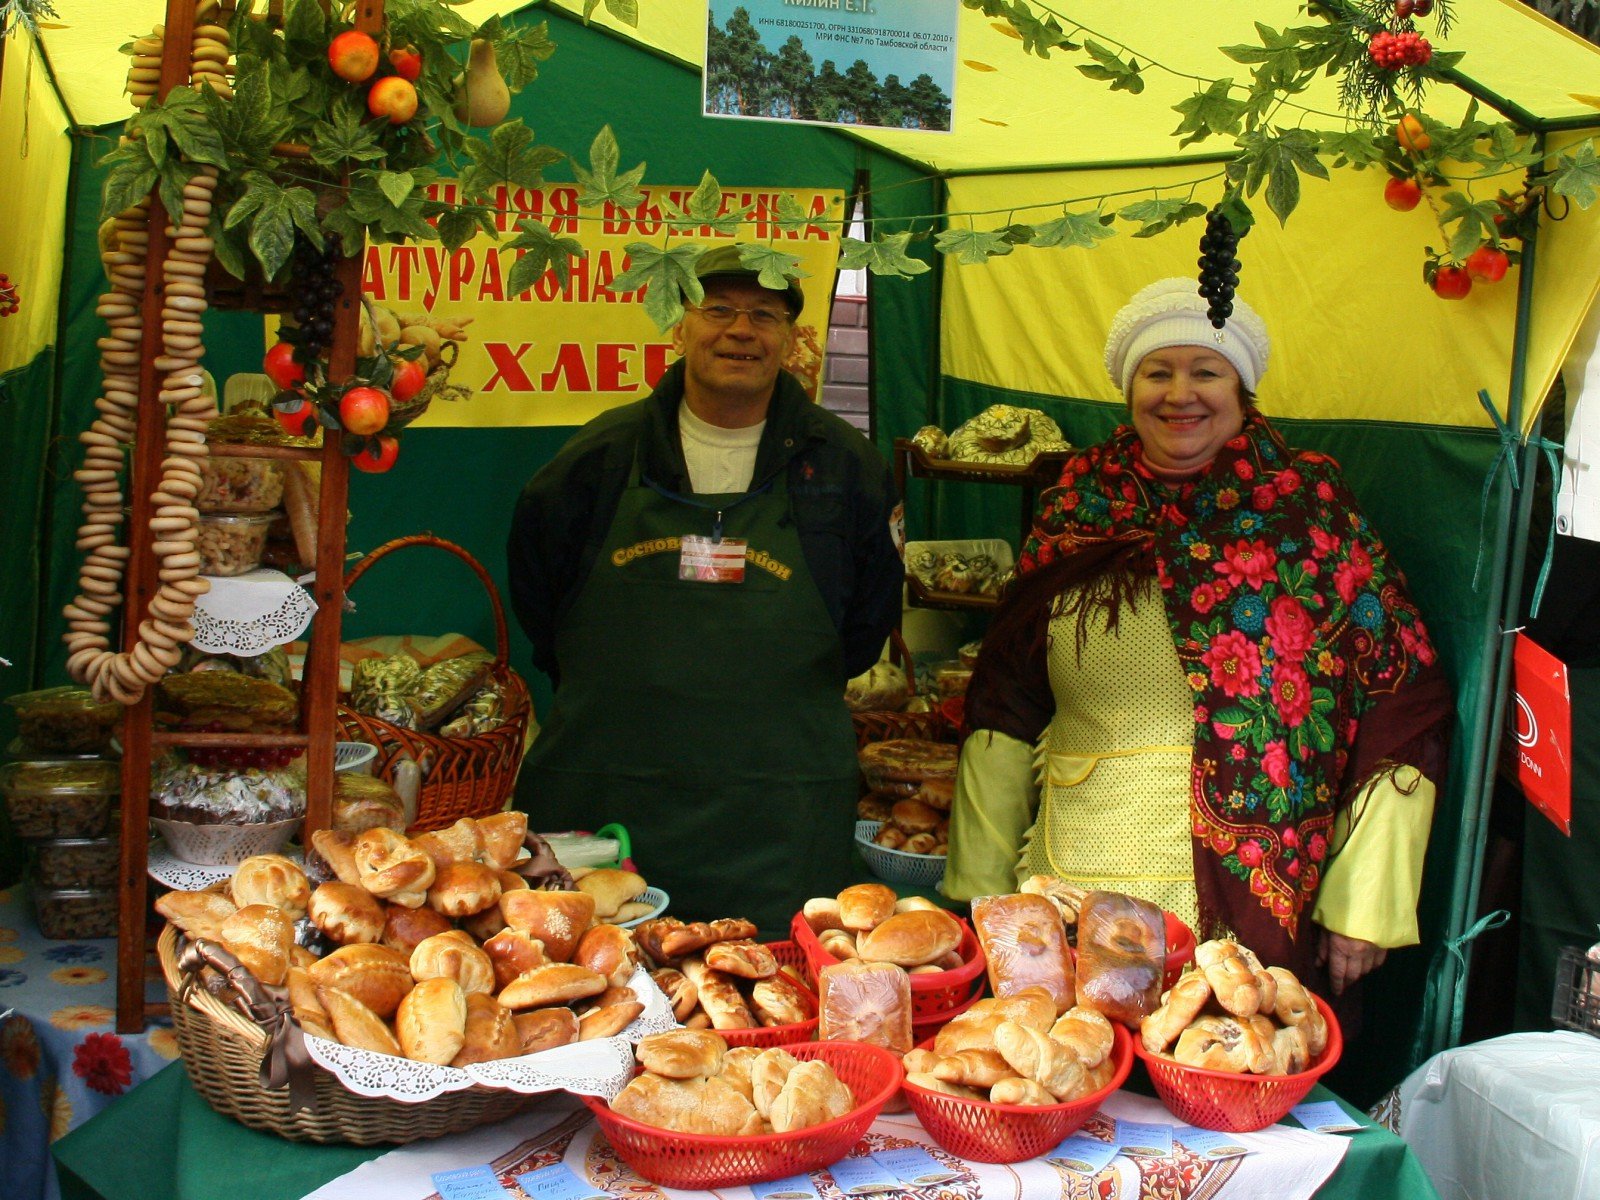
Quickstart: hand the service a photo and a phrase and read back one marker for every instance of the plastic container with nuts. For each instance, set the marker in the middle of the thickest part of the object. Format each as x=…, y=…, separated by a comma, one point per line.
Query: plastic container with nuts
x=63, y=720
x=76, y=863
x=60, y=798
x=239, y=485
x=231, y=543
x=71, y=914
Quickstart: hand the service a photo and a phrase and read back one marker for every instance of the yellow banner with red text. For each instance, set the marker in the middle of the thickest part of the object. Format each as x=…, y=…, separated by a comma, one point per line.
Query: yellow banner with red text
x=560, y=354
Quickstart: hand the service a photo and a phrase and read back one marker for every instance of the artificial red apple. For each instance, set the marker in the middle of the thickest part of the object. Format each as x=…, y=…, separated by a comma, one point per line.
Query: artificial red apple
x=281, y=367
x=409, y=376
x=407, y=63
x=353, y=55
x=394, y=98
x=377, y=456
x=363, y=410
x=301, y=422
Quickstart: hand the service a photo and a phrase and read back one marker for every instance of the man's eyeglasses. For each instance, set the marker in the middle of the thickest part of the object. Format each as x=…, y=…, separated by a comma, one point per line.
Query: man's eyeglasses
x=727, y=314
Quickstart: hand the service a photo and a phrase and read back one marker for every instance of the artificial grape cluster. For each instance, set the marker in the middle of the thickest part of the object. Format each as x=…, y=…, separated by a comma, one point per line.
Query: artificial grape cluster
x=1219, y=269
x=1391, y=51
x=1406, y=9
x=316, y=291
x=239, y=758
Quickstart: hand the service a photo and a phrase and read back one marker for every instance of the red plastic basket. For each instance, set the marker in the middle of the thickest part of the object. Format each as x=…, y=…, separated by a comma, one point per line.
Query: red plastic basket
x=788, y=955
x=1180, y=949
x=1007, y=1133
x=1237, y=1103
x=699, y=1161
x=935, y=995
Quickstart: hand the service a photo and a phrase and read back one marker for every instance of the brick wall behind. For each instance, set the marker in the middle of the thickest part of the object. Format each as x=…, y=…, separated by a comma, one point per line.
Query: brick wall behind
x=844, y=380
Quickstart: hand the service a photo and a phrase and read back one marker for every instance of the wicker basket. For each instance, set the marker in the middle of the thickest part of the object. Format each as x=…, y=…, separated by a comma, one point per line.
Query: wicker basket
x=222, y=1052
x=463, y=777
x=885, y=725
x=437, y=387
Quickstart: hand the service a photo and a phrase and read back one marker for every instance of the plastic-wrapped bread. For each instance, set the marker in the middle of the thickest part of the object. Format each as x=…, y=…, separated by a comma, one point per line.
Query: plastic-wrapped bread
x=866, y=1002
x=1025, y=944
x=1122, y=955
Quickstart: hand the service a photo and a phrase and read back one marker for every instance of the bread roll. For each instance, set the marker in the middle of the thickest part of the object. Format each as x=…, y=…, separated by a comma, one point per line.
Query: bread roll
x=260, y=937
x=1178, y=1009
x=1036, y=1056
x=431, y=1022
x=1291, y=1049
x=822, y=914
x=375, y=975
x=308, y=1010
x=744, y=959
x=491, y=1032
x=337, y=849
x=679, y=940
x=866, y=1002
x=608, y=1020
x=346, y=913
x=1122, y=956
x=910, y=939
x=680, y=993
x=502, y=838
x=913, y=816
x=545, y=1028
x=611, y=889
x=929, y=1082
x=865, y=906
x=737, y=1064
x=1225, y=1044
x=1086, y=1033
x=406, y=928
x=354, y=1024
x=782, y=1001
x=558, y=919
x=391, y=867
x=1296, y=1006
x=681, y=1053
x=840, y=943
x=454, y=955
x=511, y=952
x=687, y=1106
x=1232, y=980
x=1017, y=1090
x=198, y=914
x=720, y=998
x=272, y=879
x=811, y=1094
x=1025, y=945
x=553, y=983
x=460, y=843
x=608, y=950
x=461, y=889
x=769, y=1070
x=973, y=1067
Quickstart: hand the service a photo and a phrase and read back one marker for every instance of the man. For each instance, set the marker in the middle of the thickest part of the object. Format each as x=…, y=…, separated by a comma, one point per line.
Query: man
x=700, y=574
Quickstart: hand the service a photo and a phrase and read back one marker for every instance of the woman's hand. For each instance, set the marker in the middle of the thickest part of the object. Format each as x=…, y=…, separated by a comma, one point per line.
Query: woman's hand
x=1347, y=958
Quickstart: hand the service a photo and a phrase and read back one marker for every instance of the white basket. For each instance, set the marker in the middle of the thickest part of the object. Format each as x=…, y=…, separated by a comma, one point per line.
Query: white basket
x=224, y=845
x=897, y=866
x=354, y=756
x=652, y=896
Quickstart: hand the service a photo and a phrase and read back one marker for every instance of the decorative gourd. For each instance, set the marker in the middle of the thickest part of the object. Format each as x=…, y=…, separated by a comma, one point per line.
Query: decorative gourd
x=482, y=97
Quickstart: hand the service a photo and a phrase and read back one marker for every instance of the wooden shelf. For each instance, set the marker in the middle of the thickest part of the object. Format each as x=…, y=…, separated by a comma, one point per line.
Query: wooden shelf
x=183, y=737
x=1042, y=471
x=238, y=450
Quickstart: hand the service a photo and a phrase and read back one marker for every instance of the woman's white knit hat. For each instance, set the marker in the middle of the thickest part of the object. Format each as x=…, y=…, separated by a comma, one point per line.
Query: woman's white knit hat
x=1172, y=312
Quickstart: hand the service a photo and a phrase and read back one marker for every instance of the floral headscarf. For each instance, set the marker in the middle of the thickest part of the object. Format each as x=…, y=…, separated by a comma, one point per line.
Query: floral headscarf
x=1290, y=624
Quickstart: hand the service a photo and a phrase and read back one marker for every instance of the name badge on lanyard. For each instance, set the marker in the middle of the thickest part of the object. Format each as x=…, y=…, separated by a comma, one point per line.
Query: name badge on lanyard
x=711, y=560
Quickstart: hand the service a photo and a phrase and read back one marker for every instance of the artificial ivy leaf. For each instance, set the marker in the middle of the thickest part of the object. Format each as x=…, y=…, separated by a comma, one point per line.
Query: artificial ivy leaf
x=272, y=233
x=458, y=226
x=1238, y=213
x=229, y=248
x=601, y=181
x=396, y=185
x=302, y=204
x=667, y=277
x=1577, y=176
x=1122, y=75
x=1038, y=37
x=1017, y=234
x=542, y=251
x=791, y=216
x=128, y=184
x=1211, y=111
x=1277, y=57
x=344, y=224
x=1474, y=222
x=519, y=51
x=305, y=25
x=1355, y=147
x=175, y=176
x=1156, y=215
x=626, y=11
x=508, y=155
x=1279, y=158
x=777, y=268
x=257, y=186
x=884, y=255
x=972, y=246
x=705, y=208
x=1085, y=229
x=345, y=137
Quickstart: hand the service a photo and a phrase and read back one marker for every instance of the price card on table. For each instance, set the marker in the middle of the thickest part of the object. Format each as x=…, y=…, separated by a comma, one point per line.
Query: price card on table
x=1144, y=1139
x=863, y=1177
x=1209, y=1143
x=557, y=1182
x=469, y=1183
x=1086, y=1155
x=795, y=1187
x=1324, y=1116
x=914, y=1166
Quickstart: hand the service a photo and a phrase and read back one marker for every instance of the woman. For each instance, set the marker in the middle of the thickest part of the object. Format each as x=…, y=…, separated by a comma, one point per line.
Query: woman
x=1208, y=687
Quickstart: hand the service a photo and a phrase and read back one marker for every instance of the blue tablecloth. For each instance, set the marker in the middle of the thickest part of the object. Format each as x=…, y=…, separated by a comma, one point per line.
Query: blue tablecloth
x=61, y=1059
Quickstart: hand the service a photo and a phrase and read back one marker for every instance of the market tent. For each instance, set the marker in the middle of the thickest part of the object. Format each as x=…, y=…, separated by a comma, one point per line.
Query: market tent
x=1366, y=364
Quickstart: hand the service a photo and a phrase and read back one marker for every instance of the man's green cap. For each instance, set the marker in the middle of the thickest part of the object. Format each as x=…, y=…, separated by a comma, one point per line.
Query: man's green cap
x=724, y=263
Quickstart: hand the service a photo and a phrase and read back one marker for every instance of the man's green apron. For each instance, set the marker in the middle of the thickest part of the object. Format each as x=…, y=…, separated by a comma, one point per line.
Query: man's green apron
x=708, y=718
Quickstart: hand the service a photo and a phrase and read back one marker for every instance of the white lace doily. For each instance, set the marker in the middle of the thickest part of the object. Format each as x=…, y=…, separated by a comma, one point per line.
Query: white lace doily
x=595, y=1068
x=251, y=613
x=168, y=869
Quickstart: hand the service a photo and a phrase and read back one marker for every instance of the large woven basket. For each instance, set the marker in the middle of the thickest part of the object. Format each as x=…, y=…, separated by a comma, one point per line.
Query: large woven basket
x=463, y=777
x=222, y=1052
x=886, y=725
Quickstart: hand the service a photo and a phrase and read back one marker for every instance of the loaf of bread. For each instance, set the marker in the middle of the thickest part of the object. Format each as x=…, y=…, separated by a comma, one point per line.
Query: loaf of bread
x=1122, y=956
x=866, y=1002
x=910, y=939
x=1025, y=945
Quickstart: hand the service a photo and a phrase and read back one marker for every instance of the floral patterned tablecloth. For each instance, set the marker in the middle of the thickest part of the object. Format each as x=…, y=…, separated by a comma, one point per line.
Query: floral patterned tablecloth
x=61, y=1059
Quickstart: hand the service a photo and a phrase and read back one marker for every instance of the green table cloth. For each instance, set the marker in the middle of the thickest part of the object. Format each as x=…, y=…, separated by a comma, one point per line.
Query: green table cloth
x=163, y=1142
